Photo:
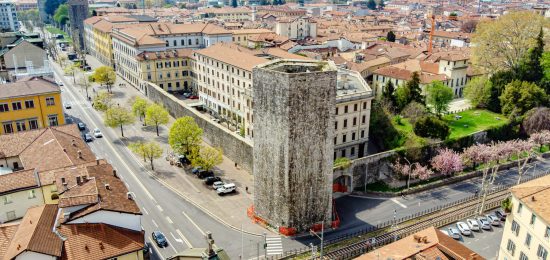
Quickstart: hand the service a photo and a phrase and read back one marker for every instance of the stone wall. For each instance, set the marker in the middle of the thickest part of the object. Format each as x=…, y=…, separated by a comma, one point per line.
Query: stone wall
x=234, y=146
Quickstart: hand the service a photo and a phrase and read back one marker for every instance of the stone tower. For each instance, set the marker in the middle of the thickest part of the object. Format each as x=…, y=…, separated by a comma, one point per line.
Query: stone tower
x=78, y=12
x=294, y=104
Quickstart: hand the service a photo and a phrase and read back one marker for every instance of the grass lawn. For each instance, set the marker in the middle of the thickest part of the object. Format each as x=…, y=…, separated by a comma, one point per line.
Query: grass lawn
x=473, y=121
x=56, y=30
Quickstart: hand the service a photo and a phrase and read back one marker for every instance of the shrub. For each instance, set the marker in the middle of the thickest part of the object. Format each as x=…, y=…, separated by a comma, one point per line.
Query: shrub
x=431, y=126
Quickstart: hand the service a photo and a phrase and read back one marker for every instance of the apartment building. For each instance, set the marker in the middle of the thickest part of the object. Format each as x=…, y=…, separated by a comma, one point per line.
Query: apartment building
x=159, y=37
x=227, y=14
x=297, y=28
x=224, y=83
x=8, y=16
x=19, y=191
x=527, y=229
x=29, y=104
x=24, y=5
x=241, y=36
x=172, y=70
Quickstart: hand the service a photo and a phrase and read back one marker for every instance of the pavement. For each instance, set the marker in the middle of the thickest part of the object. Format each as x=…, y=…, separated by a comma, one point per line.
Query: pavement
x=459, y=104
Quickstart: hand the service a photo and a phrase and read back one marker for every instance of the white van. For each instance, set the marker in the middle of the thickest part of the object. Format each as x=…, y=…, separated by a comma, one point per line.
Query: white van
x=227, y=188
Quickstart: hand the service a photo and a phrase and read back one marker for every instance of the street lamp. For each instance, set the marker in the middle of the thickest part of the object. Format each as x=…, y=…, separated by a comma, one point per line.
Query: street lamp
x=320, y=237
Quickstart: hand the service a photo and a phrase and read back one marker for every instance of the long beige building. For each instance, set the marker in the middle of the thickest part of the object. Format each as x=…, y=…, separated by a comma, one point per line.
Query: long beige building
x=527, y=229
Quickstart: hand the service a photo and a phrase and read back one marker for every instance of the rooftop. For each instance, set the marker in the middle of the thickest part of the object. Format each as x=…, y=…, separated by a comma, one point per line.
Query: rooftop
x=535, y=195
x=28, y=87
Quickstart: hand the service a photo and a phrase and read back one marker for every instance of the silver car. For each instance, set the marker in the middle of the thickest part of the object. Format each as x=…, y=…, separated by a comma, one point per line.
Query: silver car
x=464, y=229
x=494, y=220
x=453, y=232
x=472, y=224
x=218, y=185
x=97, y=133
x=484, y=223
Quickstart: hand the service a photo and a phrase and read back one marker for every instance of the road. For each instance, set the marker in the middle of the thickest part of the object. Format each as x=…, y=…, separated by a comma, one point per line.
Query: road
x=183, y=224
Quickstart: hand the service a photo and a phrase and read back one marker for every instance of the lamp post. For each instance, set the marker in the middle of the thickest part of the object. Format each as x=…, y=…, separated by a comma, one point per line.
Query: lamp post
x=320, y=237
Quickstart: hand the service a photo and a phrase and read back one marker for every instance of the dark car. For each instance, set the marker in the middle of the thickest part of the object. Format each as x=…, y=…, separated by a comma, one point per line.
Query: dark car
x=87, y=137
x=183, y=159
x=146, y=248
x=159, y=238
x=205, y=174
x=210, y=180
x=187, y=94
x=196, y=170
x=500, y=214
x=81, y=126
x=194, y=97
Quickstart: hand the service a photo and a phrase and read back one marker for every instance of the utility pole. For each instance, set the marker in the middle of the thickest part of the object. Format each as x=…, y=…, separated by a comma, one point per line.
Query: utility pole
x=265, y=245
x=320, y=237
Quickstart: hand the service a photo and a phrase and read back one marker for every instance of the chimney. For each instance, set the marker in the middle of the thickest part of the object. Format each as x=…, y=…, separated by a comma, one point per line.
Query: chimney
x=78, y=180
x=114, y=173
x=73, y=142
x=107, y=186
x=533, y=198
x=64, y=150
x=101, y=245
x=425, y=239
x=97, y=162
x=79, y=154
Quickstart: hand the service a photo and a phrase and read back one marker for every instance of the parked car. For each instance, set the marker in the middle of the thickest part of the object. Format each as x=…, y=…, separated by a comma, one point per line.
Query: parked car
x=472, y=224
x=227, y=188
x=81, y=126
x=97, y=133
x=204, y=174
x=484, y=223
x=494, y=220
x=218, y=185
x=464, y=229
x=210, y=180
x=196, y=170
x=193, y=97
x=60, y=83
x=159, y=238
x=501, y=214
x=183, y=159
x=187, y=94
x=87, y=137
x=453, y=232
x=68, y=105
x=146, y=248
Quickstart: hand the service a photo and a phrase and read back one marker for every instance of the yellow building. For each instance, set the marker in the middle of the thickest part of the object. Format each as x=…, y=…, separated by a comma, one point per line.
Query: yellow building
x=241, y=36
x=30, y=104
x=171, y=70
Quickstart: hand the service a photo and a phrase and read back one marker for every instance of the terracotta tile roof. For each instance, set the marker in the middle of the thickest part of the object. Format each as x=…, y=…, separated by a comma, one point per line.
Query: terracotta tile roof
x=69, y=173
x=250, y=31
x=99, y=241
x=84, y=193
x=20, y=180
x=6, y=235
x=453, y=35
x=13, y=144
x=437, y=244
x=238, y=57
x=535, y=195
x=28, y=87
x=35, y=233
x=168, y=54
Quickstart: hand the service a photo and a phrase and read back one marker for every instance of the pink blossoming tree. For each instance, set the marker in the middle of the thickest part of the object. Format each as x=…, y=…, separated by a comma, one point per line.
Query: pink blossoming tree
x=447, y=162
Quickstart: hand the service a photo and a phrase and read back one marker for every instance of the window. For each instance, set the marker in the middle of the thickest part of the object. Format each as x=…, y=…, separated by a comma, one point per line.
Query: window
x=354, y=107
x=4, y=108
x=52, y=120
x=362, y=133
x=20, y=125
x=533, y=218
x=352, y=151
x=522, y=256
x=353, y=136
x=345, y=109
x=528, y=240
x=542, y=253
x=50, y=101
x=16, y=105
x=345, y=123
x=343, y=138
x=364, y=105
x=32, y=194
x=343, y=153
x=8, y=128
x=29, y=104
x=511, y=247
x=520, y=206
x=515, y=227
x=335, y=125
x=354, y=121
x=335, y=143
x=33, y=124
x=175, y=43
x=182, y=42
x=7, y=199
x=547, y=232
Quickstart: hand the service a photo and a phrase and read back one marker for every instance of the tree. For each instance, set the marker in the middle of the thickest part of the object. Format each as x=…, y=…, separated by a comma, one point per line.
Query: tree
x=507, y=205
x=439, y=97
x=498, y=80
x=402, y=97
x=540, y=138
x=431, y=126
x=51, y=6
x=502, y=44
x=390, y=36
x=469, y=26
x=118, y=117
x=156, y=115
x=521, y=96
x=478, y=91
x=388, y=93
x=414, y=170
x=447, y=162
x=531, y=68
x=536, y=120
x=105, y=75
x=371, y=4
x=71, y=71
x=522, y=150
x=545, y=64
x=29, y=18
x=207, y=157
x=413, y=111
x=184, y=135
x=61, y=15
x=84, y=82
x=341, y=163
x=234, y=3
x=102, y=101
x=139, y=107
x=147, y=150
x=414, y=88
x=381, y=4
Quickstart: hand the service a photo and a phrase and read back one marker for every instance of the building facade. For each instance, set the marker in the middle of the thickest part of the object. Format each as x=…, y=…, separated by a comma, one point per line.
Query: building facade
x=527, y=229
x=30, y=104
x=171, y=70
x=296, y=28
x=8, y=16
x=78, y=12
x=294, y=105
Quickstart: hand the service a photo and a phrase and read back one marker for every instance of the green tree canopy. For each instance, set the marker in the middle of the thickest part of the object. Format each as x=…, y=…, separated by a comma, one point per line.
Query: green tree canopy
x=206, y=157
x=139, y=107
x=148, y=150
x=431, y=126
x=105, y=75
x=438, y=97
x=521, y=96
x=381, y=4
x=531, y=67
x=102, y=101
x=184, y=135
x=402, y=97
x=61, y=15
x=478, y=91
x=390, y=36
x=51, y=6
x=118, y=117
x=414, y=88
x=371, y=4
x=156, y=115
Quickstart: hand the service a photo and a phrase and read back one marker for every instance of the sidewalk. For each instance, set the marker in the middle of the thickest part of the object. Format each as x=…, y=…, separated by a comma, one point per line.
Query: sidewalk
x=231, y=208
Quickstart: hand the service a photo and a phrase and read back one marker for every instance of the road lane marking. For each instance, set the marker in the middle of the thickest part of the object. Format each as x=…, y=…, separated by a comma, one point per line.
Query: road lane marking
x=177, y=240
x=144, y=210
x=159, y=208
x=169, y=220
x=399, y=203
x=154, y=223
x=184, y=238
x=193, y=222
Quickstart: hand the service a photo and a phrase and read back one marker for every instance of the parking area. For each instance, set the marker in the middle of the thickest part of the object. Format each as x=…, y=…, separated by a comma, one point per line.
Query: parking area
x=484, y=242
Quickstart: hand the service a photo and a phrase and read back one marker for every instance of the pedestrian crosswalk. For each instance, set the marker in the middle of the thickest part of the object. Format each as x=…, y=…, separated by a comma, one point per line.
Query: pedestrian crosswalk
x=274, y=245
